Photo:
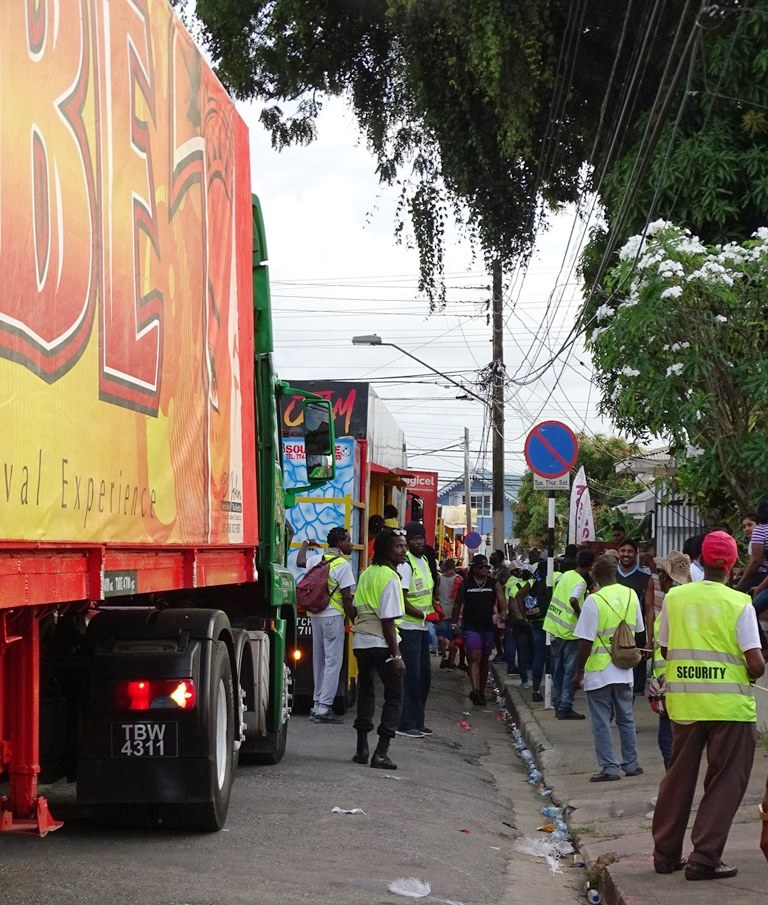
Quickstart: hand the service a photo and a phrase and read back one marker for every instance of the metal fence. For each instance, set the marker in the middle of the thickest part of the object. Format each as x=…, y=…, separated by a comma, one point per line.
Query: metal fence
x=674, y=521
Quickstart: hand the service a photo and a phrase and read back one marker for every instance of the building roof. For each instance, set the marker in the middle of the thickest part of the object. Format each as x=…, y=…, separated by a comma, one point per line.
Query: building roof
x=654, y=462
x=481, y=476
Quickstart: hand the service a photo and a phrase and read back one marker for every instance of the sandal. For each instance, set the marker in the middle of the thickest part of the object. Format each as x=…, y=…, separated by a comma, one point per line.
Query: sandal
x=604, y=777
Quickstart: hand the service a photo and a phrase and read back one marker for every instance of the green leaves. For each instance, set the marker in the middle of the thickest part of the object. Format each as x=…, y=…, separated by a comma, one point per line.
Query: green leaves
x=683, y=355
x=485, y=110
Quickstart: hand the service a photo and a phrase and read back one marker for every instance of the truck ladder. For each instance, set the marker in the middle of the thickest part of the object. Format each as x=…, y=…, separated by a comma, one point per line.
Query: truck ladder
x=22, y=810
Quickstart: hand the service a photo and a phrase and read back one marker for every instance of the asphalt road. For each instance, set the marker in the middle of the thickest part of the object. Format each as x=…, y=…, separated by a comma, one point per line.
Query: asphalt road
x=449, y=815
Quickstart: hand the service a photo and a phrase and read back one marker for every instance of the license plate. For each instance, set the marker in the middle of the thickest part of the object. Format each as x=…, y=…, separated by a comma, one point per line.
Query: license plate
x=304, y=626
x=145, y=740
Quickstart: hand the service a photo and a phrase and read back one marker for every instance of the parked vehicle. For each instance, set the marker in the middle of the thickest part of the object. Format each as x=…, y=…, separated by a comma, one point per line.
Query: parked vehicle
x=147, y=617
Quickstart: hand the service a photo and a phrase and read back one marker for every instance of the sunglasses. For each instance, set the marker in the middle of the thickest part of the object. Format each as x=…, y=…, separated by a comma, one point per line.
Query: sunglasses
x=398, y=532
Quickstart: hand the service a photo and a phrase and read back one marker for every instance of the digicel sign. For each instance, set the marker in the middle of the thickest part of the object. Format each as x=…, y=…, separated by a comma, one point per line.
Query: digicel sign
x=421, y=481
x=423, y=484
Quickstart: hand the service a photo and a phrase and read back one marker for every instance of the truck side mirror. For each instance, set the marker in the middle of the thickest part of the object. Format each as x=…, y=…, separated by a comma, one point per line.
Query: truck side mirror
x=318, y=441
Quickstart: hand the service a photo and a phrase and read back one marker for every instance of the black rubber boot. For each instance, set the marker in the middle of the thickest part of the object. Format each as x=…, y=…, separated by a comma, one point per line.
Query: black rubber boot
x=380, y=759
x=362, y=754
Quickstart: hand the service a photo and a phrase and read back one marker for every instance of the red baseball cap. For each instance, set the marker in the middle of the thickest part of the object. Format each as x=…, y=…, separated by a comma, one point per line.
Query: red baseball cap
x=719, y=549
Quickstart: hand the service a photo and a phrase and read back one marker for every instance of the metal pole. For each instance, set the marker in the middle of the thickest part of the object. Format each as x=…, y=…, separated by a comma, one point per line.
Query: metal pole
x=550, y=584
x=497, y=410
x=467, y=490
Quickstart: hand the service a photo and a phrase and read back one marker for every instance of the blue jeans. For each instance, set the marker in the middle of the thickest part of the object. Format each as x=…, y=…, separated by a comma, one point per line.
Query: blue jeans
x=601, y=703
x=665, y=738
x=414, y=649
x=565, y=659
x=510, y=649
x=432, y=632
x=531, y=643
x=760, y=601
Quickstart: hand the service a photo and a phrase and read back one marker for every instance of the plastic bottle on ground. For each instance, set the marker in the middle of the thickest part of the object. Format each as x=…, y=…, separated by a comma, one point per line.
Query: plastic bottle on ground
x=551, y=811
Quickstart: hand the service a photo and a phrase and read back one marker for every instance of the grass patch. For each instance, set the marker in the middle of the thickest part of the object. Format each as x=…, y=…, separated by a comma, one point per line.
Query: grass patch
x=587, y=829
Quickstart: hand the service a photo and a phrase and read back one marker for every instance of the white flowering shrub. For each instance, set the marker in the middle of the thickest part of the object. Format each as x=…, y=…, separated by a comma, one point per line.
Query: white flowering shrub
x=680, y=347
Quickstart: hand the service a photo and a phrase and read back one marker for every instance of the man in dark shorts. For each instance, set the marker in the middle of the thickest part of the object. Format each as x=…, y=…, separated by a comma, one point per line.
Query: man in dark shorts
x=475, y=607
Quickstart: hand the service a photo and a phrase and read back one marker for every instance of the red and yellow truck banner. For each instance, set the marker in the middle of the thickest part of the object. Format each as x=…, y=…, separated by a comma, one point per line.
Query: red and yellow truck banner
x=126, y=320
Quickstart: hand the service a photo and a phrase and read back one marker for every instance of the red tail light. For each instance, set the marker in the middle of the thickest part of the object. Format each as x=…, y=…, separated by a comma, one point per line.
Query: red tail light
x=155, y=694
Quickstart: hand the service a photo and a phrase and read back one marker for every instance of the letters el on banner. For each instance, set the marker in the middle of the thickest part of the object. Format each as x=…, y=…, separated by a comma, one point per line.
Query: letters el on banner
x=126, y=317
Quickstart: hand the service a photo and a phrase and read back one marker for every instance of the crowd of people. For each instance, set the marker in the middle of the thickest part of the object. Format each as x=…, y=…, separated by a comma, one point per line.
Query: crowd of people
x=603, y=623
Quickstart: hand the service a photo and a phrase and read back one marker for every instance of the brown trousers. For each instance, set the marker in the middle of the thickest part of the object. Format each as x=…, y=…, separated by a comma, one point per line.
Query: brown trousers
x=730, y=754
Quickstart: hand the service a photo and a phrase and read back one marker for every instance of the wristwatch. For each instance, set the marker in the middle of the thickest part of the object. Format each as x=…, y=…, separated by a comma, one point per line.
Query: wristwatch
x=763, y=814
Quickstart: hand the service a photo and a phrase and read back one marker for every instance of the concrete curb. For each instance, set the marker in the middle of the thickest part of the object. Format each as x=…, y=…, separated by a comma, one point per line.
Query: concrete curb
x=537, y=742
x=534, y=737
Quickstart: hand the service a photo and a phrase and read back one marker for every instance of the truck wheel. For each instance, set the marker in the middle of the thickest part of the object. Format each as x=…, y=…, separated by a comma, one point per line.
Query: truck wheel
x=211, y=815
x=270, y=748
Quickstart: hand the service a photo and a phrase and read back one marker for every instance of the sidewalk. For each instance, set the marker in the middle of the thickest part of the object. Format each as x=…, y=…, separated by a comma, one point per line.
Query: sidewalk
x=611, y=822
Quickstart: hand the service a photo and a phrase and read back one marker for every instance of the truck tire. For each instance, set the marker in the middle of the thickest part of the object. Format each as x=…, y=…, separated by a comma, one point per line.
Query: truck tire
x=270, y=748
x=211, y=815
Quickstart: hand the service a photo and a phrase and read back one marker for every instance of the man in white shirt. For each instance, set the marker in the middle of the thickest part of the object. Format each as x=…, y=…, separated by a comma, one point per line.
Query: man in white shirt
x=379, y=603
x=608, y=687
x=328, y=625
x=709, y=638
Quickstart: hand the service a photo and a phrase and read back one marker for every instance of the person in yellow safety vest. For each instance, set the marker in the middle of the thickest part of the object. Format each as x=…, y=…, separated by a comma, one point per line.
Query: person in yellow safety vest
x=379, y=604
x=673, y=569
x=420, y=593
x=709, y=637
x=507, y=601
x=328, y=625
x=560, y=621
x=608, y=687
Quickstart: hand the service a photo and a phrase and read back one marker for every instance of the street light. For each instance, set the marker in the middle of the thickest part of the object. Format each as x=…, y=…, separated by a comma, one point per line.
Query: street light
x=373, y=339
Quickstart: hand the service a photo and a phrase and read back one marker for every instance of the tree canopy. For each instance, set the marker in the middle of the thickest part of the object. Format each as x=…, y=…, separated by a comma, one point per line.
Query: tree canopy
x=703, y=161
x=599, y=455
x=486, y=111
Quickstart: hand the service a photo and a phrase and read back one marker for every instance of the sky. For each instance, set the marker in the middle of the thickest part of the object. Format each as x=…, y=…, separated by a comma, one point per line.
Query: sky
x=337, y=271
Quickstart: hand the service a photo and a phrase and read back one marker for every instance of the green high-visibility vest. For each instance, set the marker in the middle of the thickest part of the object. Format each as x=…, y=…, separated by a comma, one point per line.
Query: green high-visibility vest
x=421, y=588
x=370, y=587
x=614, y=603
x=561, y=617
x=707, y=676
x=513, y=585
x=334, y=590
x=659, y=663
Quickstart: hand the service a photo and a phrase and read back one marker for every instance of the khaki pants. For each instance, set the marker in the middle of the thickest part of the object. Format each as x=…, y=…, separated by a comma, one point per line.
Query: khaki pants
x=730, y=753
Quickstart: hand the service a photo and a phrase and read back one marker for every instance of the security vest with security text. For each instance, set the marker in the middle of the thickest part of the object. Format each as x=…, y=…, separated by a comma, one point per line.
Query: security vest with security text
x=706, y=671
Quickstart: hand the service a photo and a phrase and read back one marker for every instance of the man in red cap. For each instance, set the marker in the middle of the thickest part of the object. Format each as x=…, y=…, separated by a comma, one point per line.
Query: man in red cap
x=708, y=635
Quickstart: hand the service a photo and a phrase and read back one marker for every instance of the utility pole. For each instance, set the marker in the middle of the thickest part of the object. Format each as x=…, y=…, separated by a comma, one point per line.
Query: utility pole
x=467, y=485
x=497, y=410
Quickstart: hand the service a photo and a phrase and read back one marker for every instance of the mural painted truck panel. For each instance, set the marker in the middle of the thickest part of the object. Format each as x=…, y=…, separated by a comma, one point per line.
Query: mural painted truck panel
x=141, y=538
x=338, y=504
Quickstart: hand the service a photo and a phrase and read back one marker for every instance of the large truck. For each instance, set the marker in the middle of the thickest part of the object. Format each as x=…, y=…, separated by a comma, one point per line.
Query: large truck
x=147, y=619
